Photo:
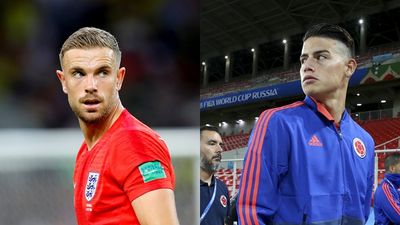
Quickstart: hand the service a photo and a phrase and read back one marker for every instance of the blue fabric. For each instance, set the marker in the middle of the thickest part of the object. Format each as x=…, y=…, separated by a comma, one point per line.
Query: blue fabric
x=218, y=212
x=299, y=169
x=387, y=201
x=371, y=219
x=394, y=178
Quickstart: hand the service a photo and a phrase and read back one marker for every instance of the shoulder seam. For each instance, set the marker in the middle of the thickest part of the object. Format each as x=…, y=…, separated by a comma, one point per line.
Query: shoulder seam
x=290, y=106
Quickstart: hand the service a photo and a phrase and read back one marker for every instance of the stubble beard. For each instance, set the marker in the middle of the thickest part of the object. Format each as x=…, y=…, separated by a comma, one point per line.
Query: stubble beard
x=208, y=166
x=93, y=118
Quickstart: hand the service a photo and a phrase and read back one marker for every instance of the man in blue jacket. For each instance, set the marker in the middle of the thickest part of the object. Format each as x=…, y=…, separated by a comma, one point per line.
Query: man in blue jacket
x=309, y=162
x=214, y=195
x=387, y=197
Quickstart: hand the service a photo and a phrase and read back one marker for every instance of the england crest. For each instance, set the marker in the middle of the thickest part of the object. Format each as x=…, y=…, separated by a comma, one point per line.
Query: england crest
x=91, y=184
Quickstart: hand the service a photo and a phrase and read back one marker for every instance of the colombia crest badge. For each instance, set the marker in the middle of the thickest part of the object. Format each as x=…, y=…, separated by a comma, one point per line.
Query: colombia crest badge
x=359, y=147
x=223, y=201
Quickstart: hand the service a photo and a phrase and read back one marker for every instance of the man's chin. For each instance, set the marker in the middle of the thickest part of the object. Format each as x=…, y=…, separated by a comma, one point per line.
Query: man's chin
x=215, y=166
x=308, y=90
x=90, y=117
x=210, y=168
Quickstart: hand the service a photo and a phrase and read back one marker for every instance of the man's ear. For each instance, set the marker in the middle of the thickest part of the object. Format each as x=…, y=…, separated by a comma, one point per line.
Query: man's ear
x=351, y=66
x=61, y=77
x=391, y=169
x=120, y=77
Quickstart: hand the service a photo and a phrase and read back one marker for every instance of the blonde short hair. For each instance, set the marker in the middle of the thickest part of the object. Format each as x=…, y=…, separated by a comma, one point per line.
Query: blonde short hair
x=91, y=37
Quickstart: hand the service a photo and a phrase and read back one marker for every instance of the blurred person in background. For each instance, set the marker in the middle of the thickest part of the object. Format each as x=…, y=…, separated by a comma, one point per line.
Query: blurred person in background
x=214, y=196
x=387, y=196
x=123, y=172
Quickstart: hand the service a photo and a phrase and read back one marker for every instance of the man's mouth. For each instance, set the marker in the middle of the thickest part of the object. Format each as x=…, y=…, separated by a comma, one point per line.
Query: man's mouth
x=91, y=104
x=309, y=78
x=217, y=158
x=91, y=101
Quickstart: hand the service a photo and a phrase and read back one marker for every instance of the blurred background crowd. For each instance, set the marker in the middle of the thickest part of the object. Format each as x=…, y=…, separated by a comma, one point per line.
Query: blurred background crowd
x=159, y=43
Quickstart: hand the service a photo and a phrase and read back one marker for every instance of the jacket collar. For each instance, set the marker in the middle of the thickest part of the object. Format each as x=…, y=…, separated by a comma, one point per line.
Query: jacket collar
x=394, y=178
x=319, y=107
x=205, y=183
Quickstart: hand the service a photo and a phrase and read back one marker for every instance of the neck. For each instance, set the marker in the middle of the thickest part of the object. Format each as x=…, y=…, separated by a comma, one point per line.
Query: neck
x=336, y=108
x=93, y=132
x=206, y=176
x=335, y=104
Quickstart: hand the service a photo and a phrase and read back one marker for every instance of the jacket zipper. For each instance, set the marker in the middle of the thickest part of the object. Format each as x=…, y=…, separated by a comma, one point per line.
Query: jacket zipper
x=340, y=139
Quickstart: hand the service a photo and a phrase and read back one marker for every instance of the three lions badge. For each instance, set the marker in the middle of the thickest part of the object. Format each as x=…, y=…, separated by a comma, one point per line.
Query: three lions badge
x=91, y=185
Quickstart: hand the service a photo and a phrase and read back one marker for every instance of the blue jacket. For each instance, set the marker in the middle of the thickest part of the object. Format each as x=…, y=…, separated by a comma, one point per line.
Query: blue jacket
x=387, y=201
x=220, y=206
x=300, y=168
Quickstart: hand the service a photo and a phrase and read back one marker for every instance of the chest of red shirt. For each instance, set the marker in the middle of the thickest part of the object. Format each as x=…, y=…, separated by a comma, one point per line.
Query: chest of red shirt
x=97, y=197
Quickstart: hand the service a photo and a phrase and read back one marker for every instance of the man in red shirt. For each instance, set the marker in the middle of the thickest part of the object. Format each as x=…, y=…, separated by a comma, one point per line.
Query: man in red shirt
x=123, y=172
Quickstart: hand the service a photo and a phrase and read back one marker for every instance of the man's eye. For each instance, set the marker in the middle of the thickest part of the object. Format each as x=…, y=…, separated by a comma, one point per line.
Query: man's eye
x=103, y=73
x=321, y=57
x=77, y=74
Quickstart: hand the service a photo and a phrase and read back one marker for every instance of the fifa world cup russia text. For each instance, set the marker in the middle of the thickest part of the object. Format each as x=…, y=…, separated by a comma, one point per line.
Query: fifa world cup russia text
x=240, y=98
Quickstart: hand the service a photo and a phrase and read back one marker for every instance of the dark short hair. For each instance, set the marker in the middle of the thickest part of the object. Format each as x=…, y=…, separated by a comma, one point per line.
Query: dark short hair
x=392, y=160
x=209, y=128
x=331, y=31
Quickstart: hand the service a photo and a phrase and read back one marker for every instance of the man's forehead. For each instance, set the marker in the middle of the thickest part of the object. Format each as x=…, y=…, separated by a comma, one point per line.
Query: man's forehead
x=210, y=135
x=82, y=57
x=320, y=44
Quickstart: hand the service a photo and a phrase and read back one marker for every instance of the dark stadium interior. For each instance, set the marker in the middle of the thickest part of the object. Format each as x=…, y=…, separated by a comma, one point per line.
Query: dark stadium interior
x=228, y=26
x=247, y=37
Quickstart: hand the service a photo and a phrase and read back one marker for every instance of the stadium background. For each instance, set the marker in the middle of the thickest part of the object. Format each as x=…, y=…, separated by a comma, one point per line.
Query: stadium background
x=39, y=134
x=247, y=67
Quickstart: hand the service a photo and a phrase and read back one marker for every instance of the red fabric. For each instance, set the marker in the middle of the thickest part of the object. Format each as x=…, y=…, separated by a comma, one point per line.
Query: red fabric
x=116, y=158
x=391, y=199
x=321, y=108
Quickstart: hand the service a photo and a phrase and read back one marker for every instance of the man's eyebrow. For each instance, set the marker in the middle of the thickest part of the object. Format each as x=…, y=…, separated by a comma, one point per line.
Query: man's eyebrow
x=321, y=51
x=104, y=67
x=316, y=52
x=212, y=140
x=76, y=69
x=303, y=55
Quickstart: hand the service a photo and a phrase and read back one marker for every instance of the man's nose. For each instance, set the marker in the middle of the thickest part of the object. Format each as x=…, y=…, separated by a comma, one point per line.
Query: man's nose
x=219, y=148
x=308, y=64
x=91, y=83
